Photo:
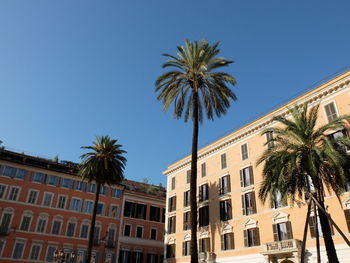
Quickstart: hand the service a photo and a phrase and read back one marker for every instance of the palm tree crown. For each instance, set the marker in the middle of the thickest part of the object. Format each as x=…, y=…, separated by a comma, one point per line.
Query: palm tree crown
x=193, y=73
x=105, y=163
x=303, y=156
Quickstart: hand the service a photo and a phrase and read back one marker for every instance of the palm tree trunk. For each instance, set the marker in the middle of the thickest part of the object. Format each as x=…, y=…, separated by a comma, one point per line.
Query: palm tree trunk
x=317, y=235
x=193, y=180
x=302, y=256
x=327, y=233
x=92, y=227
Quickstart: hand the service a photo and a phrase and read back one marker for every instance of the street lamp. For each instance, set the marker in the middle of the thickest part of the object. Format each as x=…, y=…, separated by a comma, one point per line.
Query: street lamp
x=64, y=257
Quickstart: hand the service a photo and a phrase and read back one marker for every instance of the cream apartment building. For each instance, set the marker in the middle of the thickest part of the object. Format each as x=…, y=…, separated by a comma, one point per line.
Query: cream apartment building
x=234, y=226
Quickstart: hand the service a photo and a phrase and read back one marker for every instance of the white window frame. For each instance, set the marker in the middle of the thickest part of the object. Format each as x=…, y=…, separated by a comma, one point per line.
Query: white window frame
x=18, y=193
x=111, y=209
x=44, y=217
x=141, y=226
x=150, y=233
x=26, y=214
x=126, y=224
x=8, y=210
x=39, y=252
x=47, y=250
x=36, y=197
x=14, y=247
x=43, y=200
x=81, y=229
x=4, y=194
x=58, y=201
x=103, y=212
x=84, y=206
x=75, y=227
x=52, y=225
x=71, y=204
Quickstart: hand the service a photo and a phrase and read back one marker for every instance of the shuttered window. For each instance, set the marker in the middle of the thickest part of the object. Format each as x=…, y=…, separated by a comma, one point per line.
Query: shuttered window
x=225, y=210
x=187, y=220
x=203, y=192
x=204, y=216
x=269, y=140
x=173, y=180
x=244, y=151
x=223, y=161
x=331, y=112
x=251, y=237
x=227, y=241
x=282, y=231
x=188, y=176
x=313, y=225
x=170, y=251
x=246, y=176
x=186, y=248
x=204, y=245
x=204, y=169
x=171, y=224
x=224, y=185
x=248, y=203
x=172, y=203
x=347, y=217
x=187, y=198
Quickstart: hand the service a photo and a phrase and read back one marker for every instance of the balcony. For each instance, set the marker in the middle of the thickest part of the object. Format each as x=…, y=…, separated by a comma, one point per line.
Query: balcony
x=110, y=244
x=284, y=246
x=206, y=257
x=4, y=231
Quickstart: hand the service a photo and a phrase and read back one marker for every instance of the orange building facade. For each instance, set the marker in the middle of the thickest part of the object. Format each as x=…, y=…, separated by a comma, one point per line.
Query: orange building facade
x=45, y=207
x=234, y=225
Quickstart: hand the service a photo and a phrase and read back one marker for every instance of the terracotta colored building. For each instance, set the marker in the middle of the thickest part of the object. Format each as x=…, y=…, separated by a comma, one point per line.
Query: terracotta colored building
x=234, y=226
x=44, y=206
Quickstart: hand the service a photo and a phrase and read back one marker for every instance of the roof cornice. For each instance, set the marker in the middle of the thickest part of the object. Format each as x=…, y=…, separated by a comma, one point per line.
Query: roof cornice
x=313, y=96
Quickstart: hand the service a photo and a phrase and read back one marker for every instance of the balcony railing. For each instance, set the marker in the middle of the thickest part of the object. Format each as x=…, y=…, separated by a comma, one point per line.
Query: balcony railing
x=110, y=244
x=282, y=246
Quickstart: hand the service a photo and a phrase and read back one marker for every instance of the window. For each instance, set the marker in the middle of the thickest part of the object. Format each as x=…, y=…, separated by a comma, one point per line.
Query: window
x=278, y=201
x=187, y=198
x=5, y=222
x=2, y=191
x=170, y=251
x=34, y=253
x=129, y=209
x=88, y=206
x=331, y=111
x=340, y=134
x=111, y=234
x=21, y=174
x=203, y=192
x=14, y=192
x=204, y=169
x=70, y=229
x=100, y=209
x=152, y=258
x=153, y=234
x=33, y=194
x=173, y=183
x=8, y=171
x=282, y=231
x=75, y=205
x=188, y=176
x=117, y=193
x=154, y=214
x=246, y=176
x=347, y=218
x=171, y=224
x=41, y=225
x=163, y=215
x=47, y=199
x=84, y=231
x=244, y=151
x=61, y=202
x=138, y=257
x=251, y=237
x=224, y=185
x=49, y=253
x=227, y=241
x=52, y=180
x=187, y=220
x=248, y=203
x=127, y=230
x=204, y=216
x=91, y=188
x=67, y=183
x=56, y=227
x=80, y=185
x=172, y=203
x=25, y=223
x=125, y=256
x=38, y=177
x=225, y=210
x=269, y=140
x=103, y=190
x=18, y=250
x=97, y=235
x=223, y=161
x=204, y=245
x=114, y=211
x=313, y=224
x=139, y=231
x=186, y=248
x=141, y=211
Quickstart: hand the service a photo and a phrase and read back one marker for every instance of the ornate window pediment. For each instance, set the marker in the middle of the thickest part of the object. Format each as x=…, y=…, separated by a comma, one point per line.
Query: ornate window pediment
x=171, y=240
x=280, y=217
x=187, y=237
x=250, y=223
x=227, y=228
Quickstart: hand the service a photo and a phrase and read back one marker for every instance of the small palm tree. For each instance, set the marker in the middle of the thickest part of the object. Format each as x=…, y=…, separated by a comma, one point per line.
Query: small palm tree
x=304, y=161
x=194, y=86
x=104, y=165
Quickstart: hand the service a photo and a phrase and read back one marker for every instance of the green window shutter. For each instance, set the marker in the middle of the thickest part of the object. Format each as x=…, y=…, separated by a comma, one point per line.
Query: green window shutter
x=253, y=201
x=275, y=232
x=184, y=248
x=243, y=205
x=200, y=245
x=312, y=226
x=289, y=230
x=246, y=241
x=228, y=183
x=251, y=175
x=256, y=237
x=241, y=177
x=347, y=218
x=222, y=242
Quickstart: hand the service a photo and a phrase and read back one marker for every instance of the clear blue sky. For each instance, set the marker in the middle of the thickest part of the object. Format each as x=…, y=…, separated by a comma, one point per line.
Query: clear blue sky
x=71, y=70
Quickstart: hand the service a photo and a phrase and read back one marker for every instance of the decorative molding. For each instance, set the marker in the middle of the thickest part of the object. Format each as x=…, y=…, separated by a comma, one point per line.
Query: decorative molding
x=280, y=217
x=187, y=237
x=250, y=223
x=227, y=228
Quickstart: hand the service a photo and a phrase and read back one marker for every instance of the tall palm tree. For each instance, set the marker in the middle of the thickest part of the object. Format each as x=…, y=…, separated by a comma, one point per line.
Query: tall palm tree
x=305, y=161
x=195, y=86
x=104, y=164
